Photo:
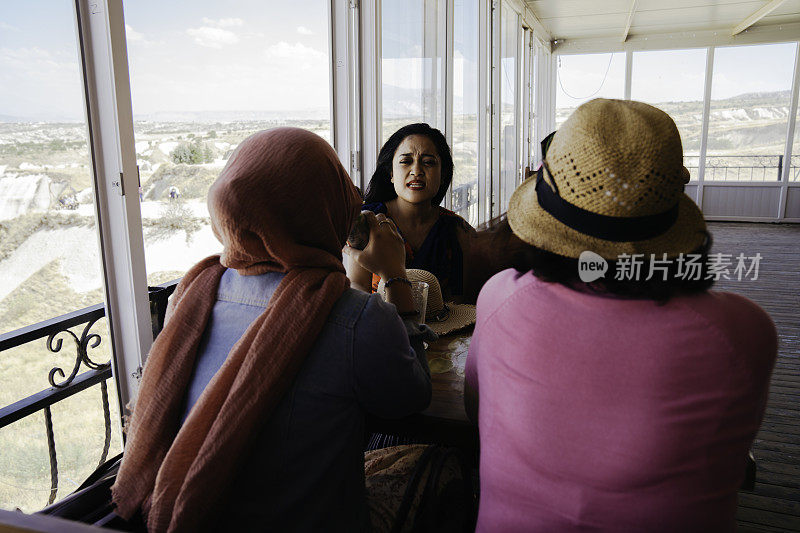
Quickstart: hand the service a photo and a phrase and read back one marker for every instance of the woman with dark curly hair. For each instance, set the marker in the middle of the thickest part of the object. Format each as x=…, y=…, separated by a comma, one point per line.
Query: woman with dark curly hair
x=613, y=390
x=413, y=174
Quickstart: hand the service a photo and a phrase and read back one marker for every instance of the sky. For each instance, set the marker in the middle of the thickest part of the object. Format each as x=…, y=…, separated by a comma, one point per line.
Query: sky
x=252, y=55
x=183, y=56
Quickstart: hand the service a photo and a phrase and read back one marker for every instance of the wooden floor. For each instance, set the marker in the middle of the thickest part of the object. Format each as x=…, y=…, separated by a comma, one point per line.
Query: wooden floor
x=774, y=505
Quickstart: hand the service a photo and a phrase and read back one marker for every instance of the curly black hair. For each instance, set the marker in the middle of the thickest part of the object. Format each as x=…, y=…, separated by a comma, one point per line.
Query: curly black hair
x=381, y=189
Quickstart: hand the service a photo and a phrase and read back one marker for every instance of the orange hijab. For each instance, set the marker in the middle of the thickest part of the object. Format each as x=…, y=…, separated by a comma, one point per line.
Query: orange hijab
x=283, y=203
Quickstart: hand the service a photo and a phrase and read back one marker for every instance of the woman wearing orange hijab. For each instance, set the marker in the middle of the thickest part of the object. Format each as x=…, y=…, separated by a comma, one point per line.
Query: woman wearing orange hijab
x=252, y=404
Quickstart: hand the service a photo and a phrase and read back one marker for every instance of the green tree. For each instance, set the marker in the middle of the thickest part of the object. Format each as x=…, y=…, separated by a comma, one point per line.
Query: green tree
x=191, y=154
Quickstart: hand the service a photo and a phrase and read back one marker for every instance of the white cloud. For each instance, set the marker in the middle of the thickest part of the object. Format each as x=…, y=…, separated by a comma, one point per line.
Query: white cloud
x=273, y=82
x=302, y=30
x=298, y=53
x=213, y=37
x=133, y=35
x=223, y=23
x=8, y=27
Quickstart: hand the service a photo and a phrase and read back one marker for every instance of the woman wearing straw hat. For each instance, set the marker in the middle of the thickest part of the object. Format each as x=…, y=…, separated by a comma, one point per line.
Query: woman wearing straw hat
x=609, y=396
x=251, y=411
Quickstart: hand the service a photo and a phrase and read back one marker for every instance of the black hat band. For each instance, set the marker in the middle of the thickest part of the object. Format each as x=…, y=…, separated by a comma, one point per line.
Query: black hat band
x=616, y=229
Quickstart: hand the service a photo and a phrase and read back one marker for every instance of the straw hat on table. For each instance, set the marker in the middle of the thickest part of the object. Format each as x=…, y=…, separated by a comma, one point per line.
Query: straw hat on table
x=611, y=182
x=441, y=317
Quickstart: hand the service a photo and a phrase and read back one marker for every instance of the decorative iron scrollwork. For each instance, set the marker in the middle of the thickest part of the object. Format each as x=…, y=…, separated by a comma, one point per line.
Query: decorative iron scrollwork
x=87, y=340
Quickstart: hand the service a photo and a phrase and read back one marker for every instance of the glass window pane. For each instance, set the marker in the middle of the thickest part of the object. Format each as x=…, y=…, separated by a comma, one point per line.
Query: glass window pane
x=204, y=77
x=585, y=76
x=49, y=256
x=674, y=81
x=750, y=98
x=465, y=110
x=412, y=66
x=509, y=53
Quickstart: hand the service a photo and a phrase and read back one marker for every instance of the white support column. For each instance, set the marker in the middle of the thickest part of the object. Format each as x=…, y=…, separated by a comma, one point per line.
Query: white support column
x=628, y=73
x=345, y=94
x=539, y=83
x=449, y=100
x=787, y=152
x=370, y=85
x=484, y=104
x=493, y=196
x=544, y=87
x=519, y=115
x=527, y=93
x=701, y=166
x=552, y=80
x=104, y=62
x=355, y=121
x=342, y=76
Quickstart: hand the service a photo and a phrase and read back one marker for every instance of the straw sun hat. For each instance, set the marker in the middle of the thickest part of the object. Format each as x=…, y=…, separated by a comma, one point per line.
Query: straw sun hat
x=441, y=317
x=611, y=182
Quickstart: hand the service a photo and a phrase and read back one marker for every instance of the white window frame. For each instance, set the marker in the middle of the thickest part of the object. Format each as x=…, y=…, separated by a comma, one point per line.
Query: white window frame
x=790, y=129
x=501, y=188
x=369, y=50
x=485, y=107
x=493, y=193
x=449, y=99
x=520, y=110
x=528, y=101
x=345, y=119
x=104, y=68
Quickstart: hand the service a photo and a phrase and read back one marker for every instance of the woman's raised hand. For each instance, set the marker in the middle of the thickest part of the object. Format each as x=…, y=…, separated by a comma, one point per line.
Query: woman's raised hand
x=385, y=255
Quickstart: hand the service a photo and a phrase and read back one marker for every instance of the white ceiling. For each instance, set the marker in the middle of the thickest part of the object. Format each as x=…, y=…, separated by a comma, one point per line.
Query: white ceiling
x=592, y=19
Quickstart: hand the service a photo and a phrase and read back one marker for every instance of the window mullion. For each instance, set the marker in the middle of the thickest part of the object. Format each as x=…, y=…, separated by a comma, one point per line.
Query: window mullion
x=370, y=84
x=701, y=165
x=344, y=90
x=790, y=129
x=449, y=99
x=628, y=73
x=494, y=179
x=484, y=104
x=101, y=35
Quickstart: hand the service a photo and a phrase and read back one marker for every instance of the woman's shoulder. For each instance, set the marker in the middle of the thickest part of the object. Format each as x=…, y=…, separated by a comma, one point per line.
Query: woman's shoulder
x=506, y=289
x=733, y=315
x=356, y=306
x=738, y=326
x=375, y=207
x=349, y=308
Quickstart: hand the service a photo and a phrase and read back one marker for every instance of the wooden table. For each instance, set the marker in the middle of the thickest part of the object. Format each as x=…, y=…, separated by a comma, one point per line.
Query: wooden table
x=444, y=421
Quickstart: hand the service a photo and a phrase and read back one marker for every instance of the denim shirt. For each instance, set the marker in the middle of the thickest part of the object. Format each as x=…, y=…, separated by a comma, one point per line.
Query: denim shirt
x=306, y=468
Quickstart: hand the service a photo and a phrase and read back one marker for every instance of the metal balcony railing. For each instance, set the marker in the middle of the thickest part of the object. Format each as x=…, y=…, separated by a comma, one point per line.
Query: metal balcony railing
x=465, y=201
x=56, y=330
x=742, y=168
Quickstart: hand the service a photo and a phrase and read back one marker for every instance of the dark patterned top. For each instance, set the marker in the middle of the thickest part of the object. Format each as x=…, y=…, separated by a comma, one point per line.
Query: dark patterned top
x=440, y=252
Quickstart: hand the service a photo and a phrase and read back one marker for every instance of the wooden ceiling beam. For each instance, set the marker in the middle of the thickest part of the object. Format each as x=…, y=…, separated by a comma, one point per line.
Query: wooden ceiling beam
x=629, y=21
x=765, y=10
